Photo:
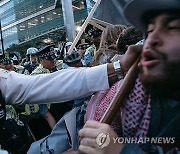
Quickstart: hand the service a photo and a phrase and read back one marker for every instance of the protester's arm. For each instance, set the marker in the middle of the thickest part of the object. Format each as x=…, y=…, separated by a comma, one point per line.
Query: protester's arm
x=57, y=87
x=91, y=138
x=50, y=119
x=63, y=85
x=47, y=115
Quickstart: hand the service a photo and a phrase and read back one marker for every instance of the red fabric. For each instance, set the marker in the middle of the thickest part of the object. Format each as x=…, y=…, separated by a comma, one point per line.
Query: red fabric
x=133, y=119
x=137, y=111
x=93, y=103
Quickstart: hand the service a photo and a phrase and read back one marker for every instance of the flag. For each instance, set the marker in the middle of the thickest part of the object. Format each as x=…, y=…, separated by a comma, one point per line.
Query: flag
x=111, y=11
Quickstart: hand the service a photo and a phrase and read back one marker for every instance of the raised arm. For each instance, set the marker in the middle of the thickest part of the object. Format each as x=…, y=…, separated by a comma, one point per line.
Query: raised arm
x=52, y=88
x=63, y=85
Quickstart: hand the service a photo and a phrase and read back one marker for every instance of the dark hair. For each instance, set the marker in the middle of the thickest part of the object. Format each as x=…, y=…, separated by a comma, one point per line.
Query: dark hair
x=129, y=36
x=108, y=46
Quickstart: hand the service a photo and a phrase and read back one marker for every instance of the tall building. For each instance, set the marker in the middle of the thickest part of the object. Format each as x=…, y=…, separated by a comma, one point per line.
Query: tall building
x=37, y=21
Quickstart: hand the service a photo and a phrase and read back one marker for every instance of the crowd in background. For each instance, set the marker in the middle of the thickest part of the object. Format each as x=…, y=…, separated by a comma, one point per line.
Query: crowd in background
x=99, y=47
x=147, y=105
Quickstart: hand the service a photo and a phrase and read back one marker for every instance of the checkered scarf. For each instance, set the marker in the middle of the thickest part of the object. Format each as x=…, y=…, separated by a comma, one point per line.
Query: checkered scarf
x=131, y=120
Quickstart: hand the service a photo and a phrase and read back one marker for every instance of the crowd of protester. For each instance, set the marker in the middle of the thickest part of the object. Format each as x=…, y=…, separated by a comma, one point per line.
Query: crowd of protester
x=34, y=117
x=100, y=48
x=46, y=127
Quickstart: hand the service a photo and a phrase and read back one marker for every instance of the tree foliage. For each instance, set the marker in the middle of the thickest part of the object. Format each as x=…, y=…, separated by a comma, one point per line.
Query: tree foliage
x=20, y=48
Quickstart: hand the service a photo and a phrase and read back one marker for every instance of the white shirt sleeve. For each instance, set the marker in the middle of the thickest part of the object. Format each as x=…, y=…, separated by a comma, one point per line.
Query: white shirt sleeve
x=60, y=86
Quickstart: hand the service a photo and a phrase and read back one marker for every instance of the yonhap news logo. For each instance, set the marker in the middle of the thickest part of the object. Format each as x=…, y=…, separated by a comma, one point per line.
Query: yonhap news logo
x=103, y=140
x=142, y=140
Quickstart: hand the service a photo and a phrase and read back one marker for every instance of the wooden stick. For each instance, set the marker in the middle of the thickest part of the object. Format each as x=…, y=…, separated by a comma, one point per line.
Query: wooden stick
x=96, y=25
x=100, y=22
x=121, y=94
x=84, y=26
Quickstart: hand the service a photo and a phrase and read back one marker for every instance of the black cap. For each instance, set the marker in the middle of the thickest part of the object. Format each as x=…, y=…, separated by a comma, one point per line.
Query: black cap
x=72, y=58
x=136, y=11
x=4, y=59
x=47, y=52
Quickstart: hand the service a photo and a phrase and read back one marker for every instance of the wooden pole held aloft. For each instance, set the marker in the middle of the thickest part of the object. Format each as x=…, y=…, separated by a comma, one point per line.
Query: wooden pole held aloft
x=84, y=26
x=121, y=94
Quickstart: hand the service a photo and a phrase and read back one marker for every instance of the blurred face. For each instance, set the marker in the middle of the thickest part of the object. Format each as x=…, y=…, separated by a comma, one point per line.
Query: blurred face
x=77, y=64
x=82, y=52
x=34, y=58
x=48, y=64
x=96, y=40
x=1, y=65
x=8, y=67
x=160, y=60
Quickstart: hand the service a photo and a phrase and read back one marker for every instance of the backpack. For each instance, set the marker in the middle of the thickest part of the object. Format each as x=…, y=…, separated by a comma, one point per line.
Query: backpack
x=13, y=133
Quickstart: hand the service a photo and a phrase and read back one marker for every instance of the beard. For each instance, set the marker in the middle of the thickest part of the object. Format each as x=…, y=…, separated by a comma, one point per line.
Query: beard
x=166, y=83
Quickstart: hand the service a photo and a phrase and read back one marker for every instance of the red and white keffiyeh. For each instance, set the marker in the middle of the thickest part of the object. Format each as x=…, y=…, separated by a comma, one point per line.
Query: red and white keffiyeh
x=133, y=119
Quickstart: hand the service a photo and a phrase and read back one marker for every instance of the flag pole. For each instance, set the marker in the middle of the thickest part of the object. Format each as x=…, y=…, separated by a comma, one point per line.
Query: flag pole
x=121, y=94
x=2, y=43
x=84, y=26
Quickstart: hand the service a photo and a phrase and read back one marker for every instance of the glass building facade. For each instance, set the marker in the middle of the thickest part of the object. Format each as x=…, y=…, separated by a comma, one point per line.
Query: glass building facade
x=36, y=21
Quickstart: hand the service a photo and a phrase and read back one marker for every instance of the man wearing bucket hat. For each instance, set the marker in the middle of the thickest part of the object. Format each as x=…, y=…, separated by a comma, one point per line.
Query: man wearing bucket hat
x=160, y=75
